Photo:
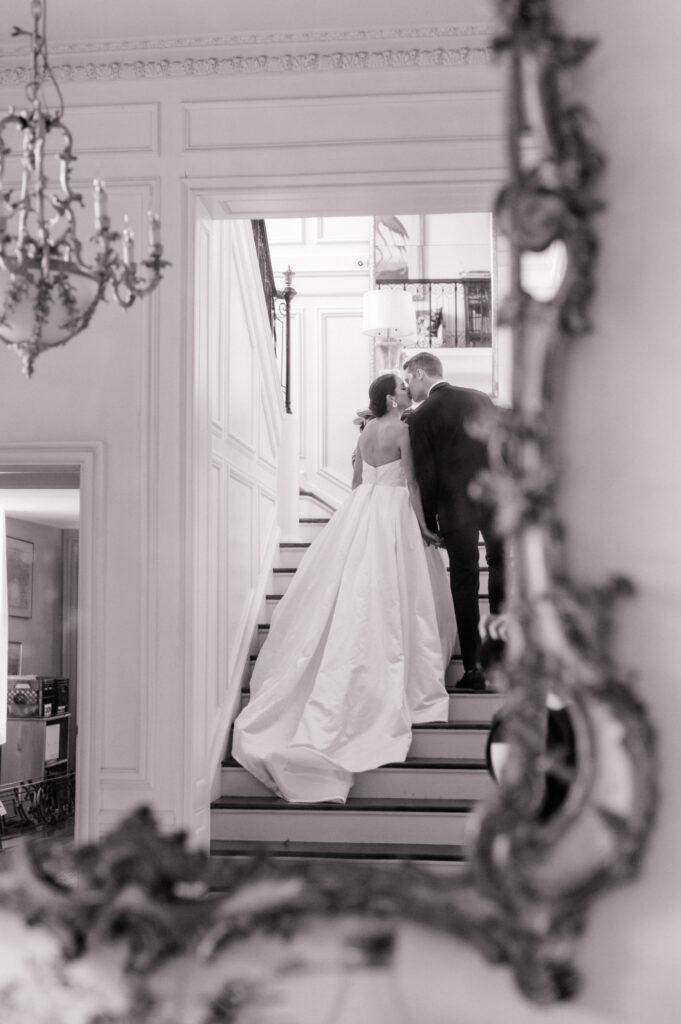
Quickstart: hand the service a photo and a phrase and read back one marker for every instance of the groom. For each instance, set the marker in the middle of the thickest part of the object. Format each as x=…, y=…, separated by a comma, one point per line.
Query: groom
x=446, y=459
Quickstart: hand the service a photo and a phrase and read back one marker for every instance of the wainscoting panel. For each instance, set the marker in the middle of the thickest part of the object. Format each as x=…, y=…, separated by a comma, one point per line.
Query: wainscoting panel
x=342, y=390
x=240, y=552
x=217, y=582
x=295, y=122
x=240, y=370
x=213, y=298
x=267, y=525
x=267, y=438
x=123, y=128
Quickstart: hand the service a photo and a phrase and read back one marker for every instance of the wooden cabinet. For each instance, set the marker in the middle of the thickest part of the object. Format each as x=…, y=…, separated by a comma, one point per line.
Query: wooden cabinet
x=36, y=748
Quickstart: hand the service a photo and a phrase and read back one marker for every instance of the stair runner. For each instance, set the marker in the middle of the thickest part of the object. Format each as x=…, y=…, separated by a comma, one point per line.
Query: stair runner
x=418, y=810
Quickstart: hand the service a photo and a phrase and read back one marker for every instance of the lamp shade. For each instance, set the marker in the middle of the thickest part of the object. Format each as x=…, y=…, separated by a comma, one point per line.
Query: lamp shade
x=388, y=313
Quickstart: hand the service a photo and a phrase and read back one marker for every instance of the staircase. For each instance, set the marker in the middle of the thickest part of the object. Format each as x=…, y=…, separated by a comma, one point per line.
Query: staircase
x=417, y=811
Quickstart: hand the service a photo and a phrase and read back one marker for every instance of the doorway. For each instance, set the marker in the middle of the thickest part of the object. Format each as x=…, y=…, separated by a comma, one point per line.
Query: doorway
x=38, y=759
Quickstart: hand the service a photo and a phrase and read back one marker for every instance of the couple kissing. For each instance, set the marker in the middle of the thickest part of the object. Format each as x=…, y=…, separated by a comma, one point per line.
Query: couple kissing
x=360, y=642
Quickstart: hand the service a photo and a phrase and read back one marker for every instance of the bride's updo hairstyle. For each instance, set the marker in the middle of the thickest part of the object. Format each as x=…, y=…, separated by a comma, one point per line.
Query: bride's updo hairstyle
x=379, y=391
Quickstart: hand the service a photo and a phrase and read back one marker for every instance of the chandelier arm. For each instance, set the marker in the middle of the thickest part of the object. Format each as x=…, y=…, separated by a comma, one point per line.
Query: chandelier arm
x=128, y=286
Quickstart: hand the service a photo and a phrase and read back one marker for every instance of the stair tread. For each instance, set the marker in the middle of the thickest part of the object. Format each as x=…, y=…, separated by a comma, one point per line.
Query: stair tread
x=452, y=726
x=452, y=689
x=307, y=520
x=274, y=803
x=439, y=763
x=296, y=848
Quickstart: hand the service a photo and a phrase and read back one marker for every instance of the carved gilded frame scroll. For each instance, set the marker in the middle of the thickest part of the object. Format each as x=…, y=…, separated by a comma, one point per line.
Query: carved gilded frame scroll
x=531, y=877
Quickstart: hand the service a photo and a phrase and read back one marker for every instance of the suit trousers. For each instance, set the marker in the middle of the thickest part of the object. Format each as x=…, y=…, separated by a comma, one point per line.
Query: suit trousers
x=464, y=579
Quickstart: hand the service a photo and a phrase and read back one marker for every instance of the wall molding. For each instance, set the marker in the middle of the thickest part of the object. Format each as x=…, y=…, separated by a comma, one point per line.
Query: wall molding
x=258, y=39
x=288, y=63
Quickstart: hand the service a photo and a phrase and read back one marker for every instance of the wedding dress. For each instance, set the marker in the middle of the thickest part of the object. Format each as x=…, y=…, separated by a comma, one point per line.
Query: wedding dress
x=356, y=652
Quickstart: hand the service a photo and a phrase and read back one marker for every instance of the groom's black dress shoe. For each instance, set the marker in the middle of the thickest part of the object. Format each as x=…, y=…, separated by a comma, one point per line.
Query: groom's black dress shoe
x=472, y=679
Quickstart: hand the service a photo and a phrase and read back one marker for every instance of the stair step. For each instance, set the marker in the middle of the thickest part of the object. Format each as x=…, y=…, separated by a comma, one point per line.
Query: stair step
x=310, y=506
x=464, y=706
x=449, y=740
x=279, y=584
x=262, y=631
x=279, y=581
x=452, y=676
x=446, y=860
x=290, y=553
x=360, y=820
x=310, y=527
x=420, y=778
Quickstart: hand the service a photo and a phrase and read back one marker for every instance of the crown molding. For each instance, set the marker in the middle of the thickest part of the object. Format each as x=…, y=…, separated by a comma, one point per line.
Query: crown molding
x=192, y=67
x=372, y=49
x=251, y=40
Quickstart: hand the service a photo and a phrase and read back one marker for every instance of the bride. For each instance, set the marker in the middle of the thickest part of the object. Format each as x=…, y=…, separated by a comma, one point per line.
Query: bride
x=359, y=644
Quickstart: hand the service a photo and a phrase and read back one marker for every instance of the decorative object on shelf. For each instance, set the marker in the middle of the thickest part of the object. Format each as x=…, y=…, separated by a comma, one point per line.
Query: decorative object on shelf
x=135, y=906
x=48, y=293
x=390, y=318
x=429, y=329
x=20, y=577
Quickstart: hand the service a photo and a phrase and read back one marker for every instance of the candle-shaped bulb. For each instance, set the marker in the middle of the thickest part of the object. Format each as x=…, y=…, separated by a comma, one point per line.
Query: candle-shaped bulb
x=154, y=230
x=128, y=243
x=101, y=215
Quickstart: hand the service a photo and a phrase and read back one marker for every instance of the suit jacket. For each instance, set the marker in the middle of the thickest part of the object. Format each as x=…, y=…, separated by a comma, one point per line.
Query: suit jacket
x=446, y=457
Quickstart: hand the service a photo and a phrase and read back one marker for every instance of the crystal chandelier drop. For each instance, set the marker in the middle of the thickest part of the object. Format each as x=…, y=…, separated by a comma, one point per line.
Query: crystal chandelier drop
x=48, y=292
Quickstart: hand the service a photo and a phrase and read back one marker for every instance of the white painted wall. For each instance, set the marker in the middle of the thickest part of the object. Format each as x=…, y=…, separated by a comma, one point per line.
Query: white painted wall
x=237, y=413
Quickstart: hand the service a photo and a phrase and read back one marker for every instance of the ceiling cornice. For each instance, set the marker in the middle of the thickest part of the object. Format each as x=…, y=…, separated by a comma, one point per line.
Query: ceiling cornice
x=188, y=67
x=261, y=53
x=257, y=40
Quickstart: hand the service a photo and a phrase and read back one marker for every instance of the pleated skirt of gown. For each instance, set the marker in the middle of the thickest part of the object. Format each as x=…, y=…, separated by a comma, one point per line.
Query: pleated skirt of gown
x=356, y=652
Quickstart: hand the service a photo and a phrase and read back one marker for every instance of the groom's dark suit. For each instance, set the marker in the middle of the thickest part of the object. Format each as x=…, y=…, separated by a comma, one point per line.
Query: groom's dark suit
x=446, y=459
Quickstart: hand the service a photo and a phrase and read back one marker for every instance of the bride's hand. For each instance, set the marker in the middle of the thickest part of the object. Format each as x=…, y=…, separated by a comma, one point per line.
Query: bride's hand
x=431, y=538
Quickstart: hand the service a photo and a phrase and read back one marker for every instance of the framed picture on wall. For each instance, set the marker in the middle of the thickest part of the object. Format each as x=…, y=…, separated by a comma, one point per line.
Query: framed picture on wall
x=19, y=577
x=13, y=658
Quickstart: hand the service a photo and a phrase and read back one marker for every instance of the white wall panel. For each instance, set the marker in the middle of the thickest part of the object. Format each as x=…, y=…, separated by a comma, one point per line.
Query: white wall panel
x=240, y=383
x=267, y=441
x=345, y=351
x=241, y=544
x=267, y=522
x=216, y=595
x=307, y=122
x=120, y=128
x=215, y=299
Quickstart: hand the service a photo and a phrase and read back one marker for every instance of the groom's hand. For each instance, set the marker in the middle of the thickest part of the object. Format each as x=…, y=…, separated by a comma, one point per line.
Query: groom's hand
x=431, y=538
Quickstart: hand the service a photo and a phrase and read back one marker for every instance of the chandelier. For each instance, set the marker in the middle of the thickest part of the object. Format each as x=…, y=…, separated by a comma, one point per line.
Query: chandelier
x=48, y=293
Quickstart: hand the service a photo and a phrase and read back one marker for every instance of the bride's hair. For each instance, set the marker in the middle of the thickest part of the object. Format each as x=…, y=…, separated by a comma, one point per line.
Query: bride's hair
x=379, y=390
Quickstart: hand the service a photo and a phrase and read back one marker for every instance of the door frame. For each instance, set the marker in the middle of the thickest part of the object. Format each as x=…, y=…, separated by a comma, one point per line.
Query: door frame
x=88, y=459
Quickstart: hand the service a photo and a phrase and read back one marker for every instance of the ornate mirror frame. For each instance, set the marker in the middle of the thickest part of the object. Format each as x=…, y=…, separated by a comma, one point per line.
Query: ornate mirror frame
x=532, y=875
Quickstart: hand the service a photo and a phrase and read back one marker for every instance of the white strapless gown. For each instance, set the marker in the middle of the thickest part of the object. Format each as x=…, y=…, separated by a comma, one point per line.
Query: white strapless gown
x=356, y=652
